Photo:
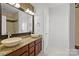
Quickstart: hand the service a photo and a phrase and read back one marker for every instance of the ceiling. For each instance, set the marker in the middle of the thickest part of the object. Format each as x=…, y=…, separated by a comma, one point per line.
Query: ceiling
x=50, y=5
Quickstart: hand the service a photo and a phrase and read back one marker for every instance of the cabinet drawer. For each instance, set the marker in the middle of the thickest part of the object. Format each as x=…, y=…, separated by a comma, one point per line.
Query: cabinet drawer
x=25, y=54
x=31, y=44
x=37, y=41
x=31, y=50
x=32, y=54
x=19, y=51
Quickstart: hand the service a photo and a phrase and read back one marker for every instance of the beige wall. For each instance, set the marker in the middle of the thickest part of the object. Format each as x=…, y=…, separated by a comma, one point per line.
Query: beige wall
x=77, y=26
x=12, y=27
x=11, y=16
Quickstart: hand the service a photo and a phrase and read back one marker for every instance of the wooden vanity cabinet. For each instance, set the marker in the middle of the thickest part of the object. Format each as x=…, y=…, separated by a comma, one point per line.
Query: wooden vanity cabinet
x=31, y=49
x=38, y=46
x=19, y=52
x=25, y=54
x=32, y=54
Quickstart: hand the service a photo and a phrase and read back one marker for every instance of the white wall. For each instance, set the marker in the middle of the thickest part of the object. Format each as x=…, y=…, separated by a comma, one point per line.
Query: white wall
x=42, y=24
x=38, y=20
x=72, y=26
x=59, y=26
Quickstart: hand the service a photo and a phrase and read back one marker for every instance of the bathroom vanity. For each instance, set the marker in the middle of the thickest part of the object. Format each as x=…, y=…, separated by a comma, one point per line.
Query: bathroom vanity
x=28, y=47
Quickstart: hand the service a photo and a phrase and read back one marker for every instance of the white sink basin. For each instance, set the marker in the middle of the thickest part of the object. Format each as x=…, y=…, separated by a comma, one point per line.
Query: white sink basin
x=11, y=41
x=34, y=35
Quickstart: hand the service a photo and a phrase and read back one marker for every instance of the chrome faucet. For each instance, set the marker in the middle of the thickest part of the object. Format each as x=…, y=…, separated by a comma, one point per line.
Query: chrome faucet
x=9, y=34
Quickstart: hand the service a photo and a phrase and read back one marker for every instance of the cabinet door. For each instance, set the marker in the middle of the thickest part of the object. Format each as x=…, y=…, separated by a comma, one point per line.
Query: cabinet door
x=19, y=51
x=37, y=41
x=31, y=50
x=37, y=49
x=32, y=54
x=31, y=44
x=25, y=54
x=40, y=46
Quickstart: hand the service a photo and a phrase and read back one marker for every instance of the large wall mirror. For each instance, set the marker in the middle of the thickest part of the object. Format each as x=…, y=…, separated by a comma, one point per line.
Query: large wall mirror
x=15, y=21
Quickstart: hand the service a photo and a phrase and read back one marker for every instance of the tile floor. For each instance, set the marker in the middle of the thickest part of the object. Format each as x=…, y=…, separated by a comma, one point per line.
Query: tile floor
x=60, y=52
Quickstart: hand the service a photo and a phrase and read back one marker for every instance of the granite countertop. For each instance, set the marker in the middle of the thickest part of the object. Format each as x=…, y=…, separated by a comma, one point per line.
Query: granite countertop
x=6, y=50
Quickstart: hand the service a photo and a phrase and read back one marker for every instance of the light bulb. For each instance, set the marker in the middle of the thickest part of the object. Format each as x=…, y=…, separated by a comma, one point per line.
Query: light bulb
x=32, y=13
x=17, y=5
x=27, y=10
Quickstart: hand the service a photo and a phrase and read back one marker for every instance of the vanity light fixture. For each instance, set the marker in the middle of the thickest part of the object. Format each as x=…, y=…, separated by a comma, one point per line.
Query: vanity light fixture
x=29, y=11
x=17, y=5
x=32, y=13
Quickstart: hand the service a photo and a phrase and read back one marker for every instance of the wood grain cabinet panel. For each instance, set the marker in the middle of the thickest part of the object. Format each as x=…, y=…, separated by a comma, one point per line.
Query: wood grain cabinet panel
x=37, y=49
x=19, y=51
x=25, y=54
x=32, y=54
x=31, y=44
x=37, y=41
x=40, y=45
x=31, y=50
